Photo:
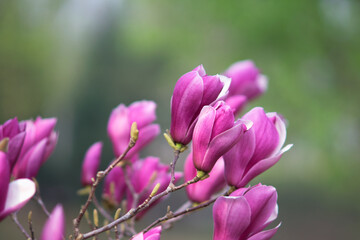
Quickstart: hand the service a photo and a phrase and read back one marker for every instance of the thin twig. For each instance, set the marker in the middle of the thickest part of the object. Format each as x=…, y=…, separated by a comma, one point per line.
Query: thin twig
x=39, y=200
x=30, y=225
x=172, y=167
x=100, y=175
x=135, y=198
x=132, y=212
x=22, y=229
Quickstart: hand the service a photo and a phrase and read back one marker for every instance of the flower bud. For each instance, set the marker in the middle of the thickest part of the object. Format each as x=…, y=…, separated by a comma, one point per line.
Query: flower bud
x=246, y=80
x=245, y=213
x=257, y=150
x=54, y=227
x=215, y=133
x=203, y=190
x=119, y=126
x=91, y=163
x=192, y=91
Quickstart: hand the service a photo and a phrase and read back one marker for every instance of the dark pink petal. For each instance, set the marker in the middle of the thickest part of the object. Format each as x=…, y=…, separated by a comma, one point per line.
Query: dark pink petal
x=14, y=148
x=265, y=235
x=146, y=135
x=262, y=166
x=262, y=201
x=10, y=128
x=54, y=227
x=142, y=172
x=139, y=236
x=231, y=217
x=32, y=161
x=91, y=163
x=4, y=179
x=237, y=103
x=221, y=144
x=224, y=119
x=202, y=135
x=142, y=112
x=19, y=193
x=185, y=105
x=266, y=134
x=238, y=157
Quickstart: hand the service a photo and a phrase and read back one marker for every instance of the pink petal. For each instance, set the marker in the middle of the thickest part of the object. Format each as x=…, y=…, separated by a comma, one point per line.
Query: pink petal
x=237, y=103
x=146, y=135
x=4, y=179
x=19, y=193
x=262, y=166
x=142, y=112
x=231, y=217
x=221, y=144
x=202, y=135
x=185, y=105
x=55, y=225
x=265, y=235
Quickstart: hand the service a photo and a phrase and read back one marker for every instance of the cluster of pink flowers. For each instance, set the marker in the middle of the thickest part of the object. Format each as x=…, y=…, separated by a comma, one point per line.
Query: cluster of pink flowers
x=225, y=151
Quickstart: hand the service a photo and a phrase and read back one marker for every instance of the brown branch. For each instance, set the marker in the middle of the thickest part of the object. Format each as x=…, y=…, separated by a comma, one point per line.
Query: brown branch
x=100, y=175
x=22, y=229
x=39, y=200
x=132, y=212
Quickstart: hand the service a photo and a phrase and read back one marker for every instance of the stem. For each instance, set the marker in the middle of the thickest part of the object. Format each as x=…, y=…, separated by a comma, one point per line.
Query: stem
x=132, y=212
x=172, y=166
x=39, y=200
x=100, y=175
x=22, y=229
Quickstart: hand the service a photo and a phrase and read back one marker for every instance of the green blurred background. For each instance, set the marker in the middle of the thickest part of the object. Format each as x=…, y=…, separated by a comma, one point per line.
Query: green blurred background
x=78, y=59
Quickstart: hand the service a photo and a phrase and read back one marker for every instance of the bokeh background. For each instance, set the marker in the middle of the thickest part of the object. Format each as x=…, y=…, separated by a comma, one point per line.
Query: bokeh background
x=78, y=59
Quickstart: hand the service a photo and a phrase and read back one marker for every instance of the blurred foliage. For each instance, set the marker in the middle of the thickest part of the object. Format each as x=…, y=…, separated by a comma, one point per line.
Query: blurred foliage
x=78, y=59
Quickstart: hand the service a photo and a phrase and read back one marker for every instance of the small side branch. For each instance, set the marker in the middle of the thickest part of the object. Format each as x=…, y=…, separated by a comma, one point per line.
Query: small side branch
x=22, y=229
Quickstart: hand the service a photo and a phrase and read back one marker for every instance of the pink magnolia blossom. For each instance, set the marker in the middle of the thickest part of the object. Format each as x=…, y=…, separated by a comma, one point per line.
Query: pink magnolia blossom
x=245, y=214
x=144, y=176
x=39, y=143
x=114, y=187
x=246, y=79
x=120, y=121
x=91, y=163
x=215, y=133
x=258, y=149
x=13, y=195
x=192, y=91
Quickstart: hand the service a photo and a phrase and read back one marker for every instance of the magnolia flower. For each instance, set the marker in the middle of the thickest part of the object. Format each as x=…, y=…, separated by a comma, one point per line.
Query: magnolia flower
x=192, y=91
x=144, y=176
x=91, y=163
x=203, y=190
x=13, y=195
x=245, y=214
x=152, y=234
x=119, y=125
x=39, y=143
x=215, y=133
x=246, y=80
x=257, y=150
x=12, y=135
x=54, y=227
